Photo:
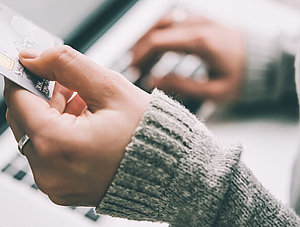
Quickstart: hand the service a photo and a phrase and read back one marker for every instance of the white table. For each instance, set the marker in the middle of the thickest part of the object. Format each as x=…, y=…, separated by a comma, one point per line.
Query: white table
x=270, y=146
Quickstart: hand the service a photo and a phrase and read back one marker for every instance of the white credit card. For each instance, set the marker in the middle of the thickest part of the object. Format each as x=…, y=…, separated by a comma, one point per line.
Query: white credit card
x=18, y=33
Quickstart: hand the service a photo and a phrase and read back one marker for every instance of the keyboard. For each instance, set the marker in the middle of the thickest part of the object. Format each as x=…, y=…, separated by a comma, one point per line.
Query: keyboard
x=175, y=63
x=170, y=62
x=19, y=170
x=185, y=65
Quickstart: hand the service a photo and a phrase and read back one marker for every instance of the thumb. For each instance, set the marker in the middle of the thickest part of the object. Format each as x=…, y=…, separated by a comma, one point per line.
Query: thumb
x=71, y=69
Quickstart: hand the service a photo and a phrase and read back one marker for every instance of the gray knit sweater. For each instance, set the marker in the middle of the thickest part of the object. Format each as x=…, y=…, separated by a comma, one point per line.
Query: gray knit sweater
x=175, y=171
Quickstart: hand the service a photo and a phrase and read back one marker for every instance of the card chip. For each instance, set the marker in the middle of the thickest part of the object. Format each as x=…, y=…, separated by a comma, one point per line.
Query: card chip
x=6, y=62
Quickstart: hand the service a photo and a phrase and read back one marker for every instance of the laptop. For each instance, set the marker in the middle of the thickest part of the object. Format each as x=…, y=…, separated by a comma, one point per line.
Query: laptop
x=22, y=204
x=105, y=31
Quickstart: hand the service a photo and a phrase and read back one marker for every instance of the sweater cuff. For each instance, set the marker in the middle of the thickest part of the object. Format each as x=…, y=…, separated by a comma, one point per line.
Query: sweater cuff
x=169, y=173
x=261, y=82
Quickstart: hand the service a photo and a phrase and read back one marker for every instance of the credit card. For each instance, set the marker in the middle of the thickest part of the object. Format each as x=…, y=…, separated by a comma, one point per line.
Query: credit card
x=18, y=33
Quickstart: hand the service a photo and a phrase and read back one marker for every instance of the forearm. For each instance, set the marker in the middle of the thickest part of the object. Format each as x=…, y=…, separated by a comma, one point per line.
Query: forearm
x=269, y=71
x=248, y=203
x=175, y=171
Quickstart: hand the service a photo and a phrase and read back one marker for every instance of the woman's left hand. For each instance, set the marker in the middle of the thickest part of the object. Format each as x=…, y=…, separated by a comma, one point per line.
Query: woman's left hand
x=75, y=146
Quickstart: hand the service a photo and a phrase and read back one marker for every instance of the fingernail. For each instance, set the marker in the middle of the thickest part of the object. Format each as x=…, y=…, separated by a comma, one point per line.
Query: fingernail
x=29, y=53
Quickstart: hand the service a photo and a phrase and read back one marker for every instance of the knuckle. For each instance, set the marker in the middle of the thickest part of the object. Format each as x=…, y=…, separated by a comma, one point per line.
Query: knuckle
x=152, y=40
x=61, y=57
x=64, y=54
x=64, y=49
x=42, y=144
x=198, y=37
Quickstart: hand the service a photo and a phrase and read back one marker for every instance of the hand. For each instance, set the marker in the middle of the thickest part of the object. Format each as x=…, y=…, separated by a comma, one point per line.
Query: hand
x=221, y=48
x=75, y=146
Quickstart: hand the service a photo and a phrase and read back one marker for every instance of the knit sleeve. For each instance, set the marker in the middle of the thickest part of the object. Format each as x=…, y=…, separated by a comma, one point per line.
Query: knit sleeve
x=295, y=187
x=269, y=72
x=175, y=171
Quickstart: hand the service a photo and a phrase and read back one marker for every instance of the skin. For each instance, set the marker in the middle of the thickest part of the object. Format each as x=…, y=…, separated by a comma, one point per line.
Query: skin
x=220, y=47
x=75, y=146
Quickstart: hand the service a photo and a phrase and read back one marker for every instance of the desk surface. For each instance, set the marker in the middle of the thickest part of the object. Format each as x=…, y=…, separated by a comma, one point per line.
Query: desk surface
x=270, y=143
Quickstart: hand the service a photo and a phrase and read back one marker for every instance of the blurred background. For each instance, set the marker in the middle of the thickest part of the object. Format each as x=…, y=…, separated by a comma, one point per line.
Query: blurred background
x=248, y=53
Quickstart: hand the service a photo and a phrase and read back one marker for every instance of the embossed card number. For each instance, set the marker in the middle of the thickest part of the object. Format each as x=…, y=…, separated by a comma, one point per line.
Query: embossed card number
x=18, y=33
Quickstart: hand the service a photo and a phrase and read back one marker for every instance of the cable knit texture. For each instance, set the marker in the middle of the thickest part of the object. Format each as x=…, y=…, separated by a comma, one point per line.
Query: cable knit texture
x=269, y=73
x=175, y=171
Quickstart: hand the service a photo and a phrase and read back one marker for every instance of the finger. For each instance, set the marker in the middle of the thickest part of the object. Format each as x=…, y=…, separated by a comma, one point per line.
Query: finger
x=28, y=110
x=171, y=39
x=18, y=134
x=217, y=89
x=76, y=106
x=71, y=69
x=60, y=98
x=7, y=85
x=87, y=199
x=143, y=50
x=149, y=82
x=188, y=36
x=16, y=129
x=180, y=17
x=176, y=38
x=165, y=21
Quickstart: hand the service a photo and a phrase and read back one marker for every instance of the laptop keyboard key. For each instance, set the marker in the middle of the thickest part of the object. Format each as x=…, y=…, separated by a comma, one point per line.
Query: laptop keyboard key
x=20, y=175
x=92, y=215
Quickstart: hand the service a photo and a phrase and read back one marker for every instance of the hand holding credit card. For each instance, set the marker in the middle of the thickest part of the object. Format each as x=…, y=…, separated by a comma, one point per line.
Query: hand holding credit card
x=18, y=33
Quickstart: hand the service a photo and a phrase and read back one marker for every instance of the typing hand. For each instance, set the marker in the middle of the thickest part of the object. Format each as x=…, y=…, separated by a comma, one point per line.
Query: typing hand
x=221, y=48
x=75, y=146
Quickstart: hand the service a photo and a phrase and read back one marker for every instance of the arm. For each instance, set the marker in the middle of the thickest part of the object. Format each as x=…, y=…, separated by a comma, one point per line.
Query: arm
x=175, y=171
x=269, y=71
x=243, y=67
